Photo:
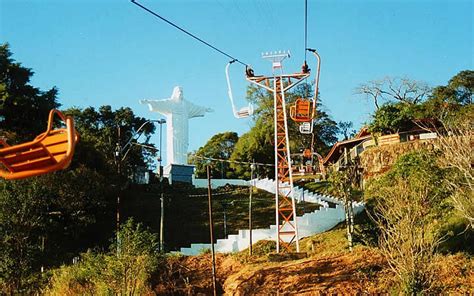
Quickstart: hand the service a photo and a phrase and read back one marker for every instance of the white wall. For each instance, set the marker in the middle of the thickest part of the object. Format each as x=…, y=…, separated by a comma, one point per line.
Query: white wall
x=202, y=183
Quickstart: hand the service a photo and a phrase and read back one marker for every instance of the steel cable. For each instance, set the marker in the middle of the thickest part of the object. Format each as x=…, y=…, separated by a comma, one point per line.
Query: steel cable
x=186, y=32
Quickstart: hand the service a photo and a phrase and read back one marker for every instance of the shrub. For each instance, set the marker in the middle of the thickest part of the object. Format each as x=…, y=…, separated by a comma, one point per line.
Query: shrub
x=408, y=204
x=125, y=272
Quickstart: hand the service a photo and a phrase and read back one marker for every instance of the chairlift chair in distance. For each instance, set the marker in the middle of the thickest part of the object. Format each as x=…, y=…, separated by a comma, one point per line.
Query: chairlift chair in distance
x=301, y=111
x=304, y=110
x=243, y=112
x=50, y=151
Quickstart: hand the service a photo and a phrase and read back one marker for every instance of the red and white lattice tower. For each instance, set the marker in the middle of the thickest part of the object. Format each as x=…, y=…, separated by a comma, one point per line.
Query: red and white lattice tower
x=278, y=84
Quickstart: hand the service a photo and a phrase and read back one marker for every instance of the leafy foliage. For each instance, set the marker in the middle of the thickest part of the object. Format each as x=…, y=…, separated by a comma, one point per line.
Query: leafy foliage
x=103, y=131
x=42, y=219
x=453, y=101
x=408, y=203
x=22, y=106
x=449, y=103
x=391, y=118
x=255, y=145
x=126, y=273
x=220, y=146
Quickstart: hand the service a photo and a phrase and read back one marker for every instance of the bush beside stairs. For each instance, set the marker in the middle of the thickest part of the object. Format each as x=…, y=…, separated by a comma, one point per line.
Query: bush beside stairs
x=329, y=215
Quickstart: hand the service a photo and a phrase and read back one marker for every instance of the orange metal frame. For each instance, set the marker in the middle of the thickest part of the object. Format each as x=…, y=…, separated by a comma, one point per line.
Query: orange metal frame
x=50, y=151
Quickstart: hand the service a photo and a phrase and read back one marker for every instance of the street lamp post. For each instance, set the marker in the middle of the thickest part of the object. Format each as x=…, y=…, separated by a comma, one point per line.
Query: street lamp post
x=162, y=200
x=118, y=163
x=121, y=152
x=252, y=168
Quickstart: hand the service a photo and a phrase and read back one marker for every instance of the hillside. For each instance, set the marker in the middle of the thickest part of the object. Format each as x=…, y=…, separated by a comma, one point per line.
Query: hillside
x=330, y=268
x=186, y=211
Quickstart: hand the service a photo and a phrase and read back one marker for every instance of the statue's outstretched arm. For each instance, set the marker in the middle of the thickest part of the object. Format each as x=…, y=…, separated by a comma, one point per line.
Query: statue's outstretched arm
x=160, y=106
x=198, y=111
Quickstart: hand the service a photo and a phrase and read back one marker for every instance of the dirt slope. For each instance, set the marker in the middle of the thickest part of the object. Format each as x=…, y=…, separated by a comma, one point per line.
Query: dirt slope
x=342, y=273
x=329, y=269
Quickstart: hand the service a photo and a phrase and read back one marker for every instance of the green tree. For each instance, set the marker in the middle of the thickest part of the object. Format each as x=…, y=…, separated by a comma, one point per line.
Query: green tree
x=42, y=220
x=401, y=102
x=220, y=146
x=344, y=184
x=103, y=131
x=24, y=109
x=452, y=101
x=391, y=118
x=255, y=145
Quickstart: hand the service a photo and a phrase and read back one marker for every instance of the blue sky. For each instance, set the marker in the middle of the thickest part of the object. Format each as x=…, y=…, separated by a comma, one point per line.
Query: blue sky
x=111, y=52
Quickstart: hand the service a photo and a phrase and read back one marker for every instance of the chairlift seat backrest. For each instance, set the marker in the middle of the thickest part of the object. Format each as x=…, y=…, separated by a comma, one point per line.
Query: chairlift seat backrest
x=48, y=152
x=244, y=112
x=301, y=111
x=306, y=128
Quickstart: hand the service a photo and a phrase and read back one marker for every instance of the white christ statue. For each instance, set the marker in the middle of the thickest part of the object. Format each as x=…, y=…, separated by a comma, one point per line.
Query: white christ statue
x=178, y=111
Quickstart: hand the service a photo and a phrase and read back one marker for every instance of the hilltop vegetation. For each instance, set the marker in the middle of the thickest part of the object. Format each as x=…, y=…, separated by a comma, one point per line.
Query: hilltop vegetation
x=414, y=237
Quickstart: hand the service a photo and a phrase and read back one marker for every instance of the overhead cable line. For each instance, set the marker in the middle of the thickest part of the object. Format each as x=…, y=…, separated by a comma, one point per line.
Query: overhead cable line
x=305, y=28
x=186, y=32
x=221, y=193
x=204, y=158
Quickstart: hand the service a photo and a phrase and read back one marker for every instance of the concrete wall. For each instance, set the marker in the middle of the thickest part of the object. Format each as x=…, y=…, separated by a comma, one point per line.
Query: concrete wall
x=179, y=173
x=202, y=183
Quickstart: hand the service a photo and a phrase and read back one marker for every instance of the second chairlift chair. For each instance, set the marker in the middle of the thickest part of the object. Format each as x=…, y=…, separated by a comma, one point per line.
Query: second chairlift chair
x=243, y=112
x=304, y=110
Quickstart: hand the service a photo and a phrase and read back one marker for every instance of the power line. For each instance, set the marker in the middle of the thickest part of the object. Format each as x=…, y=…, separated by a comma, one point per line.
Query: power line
x=204, y=158
x=221, y=193
x=186, y=32
x=305, y=28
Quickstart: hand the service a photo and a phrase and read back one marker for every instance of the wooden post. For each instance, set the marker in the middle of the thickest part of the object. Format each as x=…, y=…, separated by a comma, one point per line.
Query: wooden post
x=252, y=167
x=211, y=229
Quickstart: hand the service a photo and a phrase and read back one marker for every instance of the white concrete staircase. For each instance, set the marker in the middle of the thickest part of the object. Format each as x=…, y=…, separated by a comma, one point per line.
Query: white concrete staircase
x=329, y=215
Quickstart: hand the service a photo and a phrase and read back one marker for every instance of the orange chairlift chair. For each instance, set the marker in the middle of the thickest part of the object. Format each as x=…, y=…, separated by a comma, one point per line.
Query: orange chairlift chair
x=48, y=152
x=304, y=110
x=301, y=111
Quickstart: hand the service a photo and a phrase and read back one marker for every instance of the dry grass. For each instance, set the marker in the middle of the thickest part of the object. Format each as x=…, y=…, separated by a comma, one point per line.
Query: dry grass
x=331, y=268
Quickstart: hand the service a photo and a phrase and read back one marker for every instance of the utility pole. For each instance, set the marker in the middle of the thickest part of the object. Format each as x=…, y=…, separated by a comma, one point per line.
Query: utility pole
x=118, y=156
x=224, y=207
x=211, y=229
x=252, y=168
x=162, y=199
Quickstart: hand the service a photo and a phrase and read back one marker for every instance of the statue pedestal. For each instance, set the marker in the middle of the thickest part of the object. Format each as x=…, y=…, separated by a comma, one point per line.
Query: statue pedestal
x=179, y=173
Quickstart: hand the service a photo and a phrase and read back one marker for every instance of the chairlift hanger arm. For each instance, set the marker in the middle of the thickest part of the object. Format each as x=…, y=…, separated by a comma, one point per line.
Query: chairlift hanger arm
x=244, y=111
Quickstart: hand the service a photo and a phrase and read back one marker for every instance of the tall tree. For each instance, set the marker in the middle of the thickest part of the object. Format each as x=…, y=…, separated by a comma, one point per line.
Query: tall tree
x=452, y=101
x=104, y=132
x=394, y=89
x=220, y=146
x=345, y=129
x=24, y=109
